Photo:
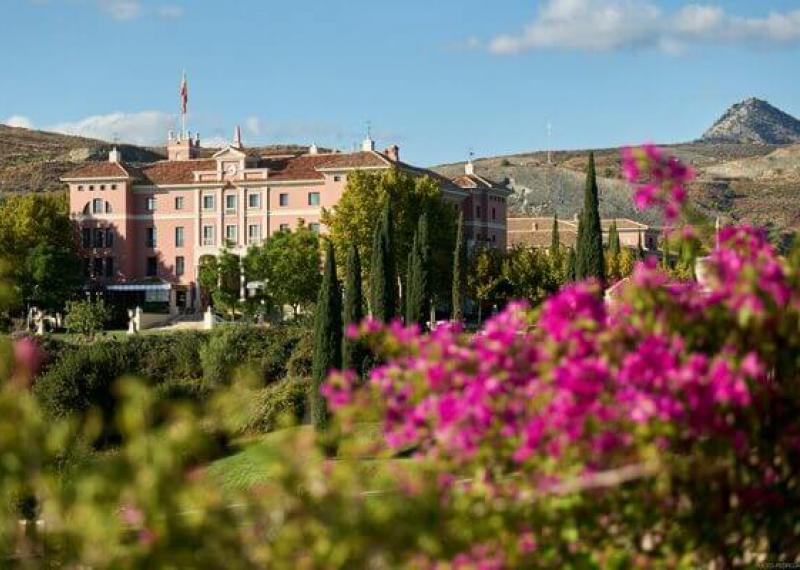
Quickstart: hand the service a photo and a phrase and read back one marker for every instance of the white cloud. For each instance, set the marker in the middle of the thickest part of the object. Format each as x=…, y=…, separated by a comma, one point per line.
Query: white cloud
x=144, y=128
x=253, y=125
x=19, y=121
x=121, y=9
x=170, y=12
x=214, y=142
x=608, y=25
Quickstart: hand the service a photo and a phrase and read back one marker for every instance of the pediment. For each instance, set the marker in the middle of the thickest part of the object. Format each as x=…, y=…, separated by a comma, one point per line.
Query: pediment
x=230, y=153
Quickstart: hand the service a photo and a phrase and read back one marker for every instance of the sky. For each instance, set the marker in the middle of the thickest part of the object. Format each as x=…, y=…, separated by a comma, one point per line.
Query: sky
x=437, y=77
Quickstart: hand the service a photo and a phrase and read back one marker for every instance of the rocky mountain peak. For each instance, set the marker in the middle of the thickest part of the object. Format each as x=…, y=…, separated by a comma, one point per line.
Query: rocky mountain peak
x=754, y=121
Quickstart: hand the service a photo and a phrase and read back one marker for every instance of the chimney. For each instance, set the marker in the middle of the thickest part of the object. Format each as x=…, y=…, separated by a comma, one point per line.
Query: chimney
x=237, y=137
x=469, y=168
x=114, y=155
x=313, y=149
x=393, y=152
x=368, y=145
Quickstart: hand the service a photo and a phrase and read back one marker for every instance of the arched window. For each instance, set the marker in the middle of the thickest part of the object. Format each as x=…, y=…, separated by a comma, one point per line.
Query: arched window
x=108, y=208
x=97, y=206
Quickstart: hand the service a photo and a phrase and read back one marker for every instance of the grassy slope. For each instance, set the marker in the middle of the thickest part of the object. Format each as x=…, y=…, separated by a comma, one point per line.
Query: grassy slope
x=259, y=459
x=740, y=182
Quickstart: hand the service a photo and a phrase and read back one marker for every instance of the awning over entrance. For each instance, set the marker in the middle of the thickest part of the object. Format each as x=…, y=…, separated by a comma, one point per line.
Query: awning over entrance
x=140, y=287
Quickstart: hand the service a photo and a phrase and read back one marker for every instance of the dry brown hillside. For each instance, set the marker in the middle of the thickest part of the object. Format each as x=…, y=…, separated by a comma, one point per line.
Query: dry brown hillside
x=32, y=161
x=739, y=182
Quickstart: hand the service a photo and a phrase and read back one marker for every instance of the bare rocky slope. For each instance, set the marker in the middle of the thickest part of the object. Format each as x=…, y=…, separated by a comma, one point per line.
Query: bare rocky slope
x=746, y=169
x=33, y=161
x=754, y=121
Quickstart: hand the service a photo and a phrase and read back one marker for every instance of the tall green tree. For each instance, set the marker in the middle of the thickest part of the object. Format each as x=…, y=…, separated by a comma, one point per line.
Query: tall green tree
x=485, y=278
x=289, y=263
x=353, y=352
x=459, y=271
x=555, y=238
x=383, y=273
x=357, y=214
x=589, y=253
x=418, y=300
x=569, y=266
x=39, y=248
x=613, y=239
x=327, y=337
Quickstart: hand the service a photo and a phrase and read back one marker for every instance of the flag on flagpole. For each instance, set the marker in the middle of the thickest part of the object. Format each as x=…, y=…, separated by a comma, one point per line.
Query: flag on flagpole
x=184, y=94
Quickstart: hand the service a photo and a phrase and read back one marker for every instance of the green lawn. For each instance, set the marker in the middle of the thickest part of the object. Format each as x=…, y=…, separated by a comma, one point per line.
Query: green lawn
x=258, y=459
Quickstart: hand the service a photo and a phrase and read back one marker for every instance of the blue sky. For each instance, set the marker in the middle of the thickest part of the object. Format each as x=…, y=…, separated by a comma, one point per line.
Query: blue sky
x=437, y=77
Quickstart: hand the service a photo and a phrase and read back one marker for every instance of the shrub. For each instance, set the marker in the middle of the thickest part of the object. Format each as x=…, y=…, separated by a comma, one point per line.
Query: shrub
x=81, y=377
x=262, y=351
x=283, y=401
x=301, y=360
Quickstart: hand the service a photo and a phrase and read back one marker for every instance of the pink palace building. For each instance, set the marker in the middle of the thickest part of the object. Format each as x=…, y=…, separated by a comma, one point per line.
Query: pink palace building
x=144, y=229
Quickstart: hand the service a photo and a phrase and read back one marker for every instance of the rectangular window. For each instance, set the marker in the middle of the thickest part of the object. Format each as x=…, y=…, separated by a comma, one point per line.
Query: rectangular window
x=254, y=200
x=180, y=265
x=284, y=199
x=97, y=237
x=109, y=267
x=150, y=204
x=179, y=202
x=230, y=203
x=337, y=178
x=98, y=266
x=314, y=227
x=109, y=237
x=208, y=202
x=494, y=214
x=284, y=227
x=231, y=234
x=313, y=198
x=253, y=233
x=208, y=235
x=477, y=211
x=86, y=238
x=152, y=266
x=179, y=236
x=150, y=237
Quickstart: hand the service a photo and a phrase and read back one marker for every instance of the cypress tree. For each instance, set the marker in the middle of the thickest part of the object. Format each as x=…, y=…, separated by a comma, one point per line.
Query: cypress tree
x=327, y=337
x=555, y=239
x=613, y=239
x=459, y=271
x=589, y=255
x=640, y=249
x=383, y=277
x=418, y=288
x=352, y=351
x=570, y=265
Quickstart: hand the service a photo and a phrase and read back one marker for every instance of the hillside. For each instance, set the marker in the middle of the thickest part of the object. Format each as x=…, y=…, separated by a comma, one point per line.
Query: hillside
x=736, y=181
x=34, y=160
x=754, y=121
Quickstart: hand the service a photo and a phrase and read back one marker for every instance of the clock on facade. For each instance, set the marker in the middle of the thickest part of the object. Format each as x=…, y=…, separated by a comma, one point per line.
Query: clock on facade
x=230, y=170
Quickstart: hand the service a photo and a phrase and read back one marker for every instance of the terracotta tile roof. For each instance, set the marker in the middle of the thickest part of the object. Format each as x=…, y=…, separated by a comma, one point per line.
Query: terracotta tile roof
x=356, y=160
x=541, y=238
x=472, y=181
x=175, y=171
x=295, y=168
x=539, y=224
x=99, y=170
x=623, y=224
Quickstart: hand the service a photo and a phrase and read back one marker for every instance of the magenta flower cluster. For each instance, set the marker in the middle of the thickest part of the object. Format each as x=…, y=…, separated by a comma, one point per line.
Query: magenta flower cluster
x=658, y=178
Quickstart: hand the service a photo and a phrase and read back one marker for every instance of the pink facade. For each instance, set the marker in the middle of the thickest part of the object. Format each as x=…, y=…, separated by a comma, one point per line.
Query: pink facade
x=150, y=226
